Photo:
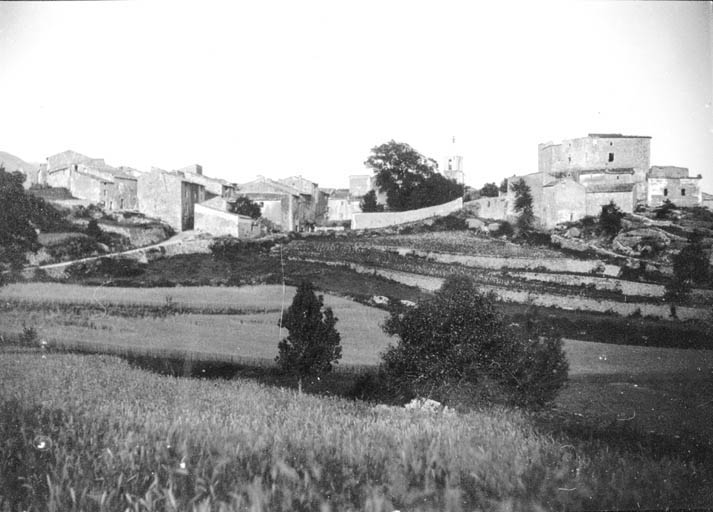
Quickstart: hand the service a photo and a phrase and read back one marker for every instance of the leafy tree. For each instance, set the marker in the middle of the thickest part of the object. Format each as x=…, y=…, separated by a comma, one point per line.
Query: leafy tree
x=458, y=338
x=489, y=190
x=523, y=204
x=313, y=341
x=245, y=206
x=93, y=230
x=503, y=186
x=17, y=232
x=610, y=219
x=409, y=179
x=368, y=203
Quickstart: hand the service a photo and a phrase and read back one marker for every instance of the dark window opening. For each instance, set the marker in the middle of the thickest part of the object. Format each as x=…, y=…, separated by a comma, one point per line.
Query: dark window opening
x=683, y=191
x=569, y=159
x=665, y=192
x=611, y=157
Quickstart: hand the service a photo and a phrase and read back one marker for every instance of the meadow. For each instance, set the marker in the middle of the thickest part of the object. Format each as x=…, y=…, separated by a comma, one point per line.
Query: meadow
x=93, y=433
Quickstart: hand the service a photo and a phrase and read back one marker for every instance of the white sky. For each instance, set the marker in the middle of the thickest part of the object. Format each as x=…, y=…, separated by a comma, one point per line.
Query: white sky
x=282, y=88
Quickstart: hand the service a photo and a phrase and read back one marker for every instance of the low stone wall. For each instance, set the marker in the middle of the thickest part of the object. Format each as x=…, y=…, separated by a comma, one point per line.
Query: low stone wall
x=567, y=302
x=385, y=219
x=499, y=263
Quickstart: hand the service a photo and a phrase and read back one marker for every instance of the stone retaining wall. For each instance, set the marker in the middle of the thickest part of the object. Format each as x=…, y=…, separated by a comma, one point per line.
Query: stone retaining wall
x=385, y=219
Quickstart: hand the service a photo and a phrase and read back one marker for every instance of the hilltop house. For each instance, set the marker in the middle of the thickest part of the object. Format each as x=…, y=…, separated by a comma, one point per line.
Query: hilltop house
x=214, y=187
x=90, y=179
x=578, y=176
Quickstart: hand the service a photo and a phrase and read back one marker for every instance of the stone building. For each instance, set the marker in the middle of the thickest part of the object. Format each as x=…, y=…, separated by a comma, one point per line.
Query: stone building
x=453, y=165
x=283, y=205
x=170, y=196
x=341, y=205
x=674, y=184
x=599, y=158
x=314, y=199
x=91, y=179
x=214, y=187
x=214, y=216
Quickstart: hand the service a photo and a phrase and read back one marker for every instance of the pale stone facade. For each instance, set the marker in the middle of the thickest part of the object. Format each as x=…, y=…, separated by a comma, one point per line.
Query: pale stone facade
x=169, y=196
x=91, y=179
x=674, y=184
x=212, y=216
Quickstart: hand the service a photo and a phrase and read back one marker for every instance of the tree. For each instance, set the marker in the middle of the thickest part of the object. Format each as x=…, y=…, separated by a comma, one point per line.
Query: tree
x=523, y=204
x=489, y=190
x=93, y=230
x=409, y=179
x=610, y=219
x=17, y=232
x=245, y=206
x=503, y=186
x=458, y=338
x=313, y=341
x=368, y=203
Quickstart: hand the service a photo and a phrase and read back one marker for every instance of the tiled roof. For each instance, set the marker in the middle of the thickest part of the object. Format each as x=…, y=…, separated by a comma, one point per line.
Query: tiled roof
x=616, y=136
x=605, y=188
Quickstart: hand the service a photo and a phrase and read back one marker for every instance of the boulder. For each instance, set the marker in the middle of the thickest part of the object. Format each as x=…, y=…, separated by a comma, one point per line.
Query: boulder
x=380, y=300
x=574, y=232
x=423, y=404
x=475, y=224
x=493, y=227
x=636, y=241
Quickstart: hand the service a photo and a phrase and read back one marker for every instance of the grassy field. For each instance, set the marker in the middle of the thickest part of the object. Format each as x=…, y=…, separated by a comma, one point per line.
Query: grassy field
x=92, y=433
x=248, y=336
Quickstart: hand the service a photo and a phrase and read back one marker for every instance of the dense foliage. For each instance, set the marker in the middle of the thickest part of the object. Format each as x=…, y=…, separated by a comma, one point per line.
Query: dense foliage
x=409, y=179
x=489, y=190
x=691, y=266
x=245, y=206
x=17, y=230
x=458, y=339
x=312, y=345
x=523, y=204
x=610, y=219
x=368, y=203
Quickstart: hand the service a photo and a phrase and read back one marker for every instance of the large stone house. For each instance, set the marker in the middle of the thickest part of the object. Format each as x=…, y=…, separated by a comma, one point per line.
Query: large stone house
x=91, y=179
x=314, y=200
x=170, y=196
x=284, y=206
x=214, y=187
x=578, y=176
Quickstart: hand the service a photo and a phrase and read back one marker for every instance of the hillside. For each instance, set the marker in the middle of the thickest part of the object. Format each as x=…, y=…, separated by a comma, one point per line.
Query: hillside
x=12, y=163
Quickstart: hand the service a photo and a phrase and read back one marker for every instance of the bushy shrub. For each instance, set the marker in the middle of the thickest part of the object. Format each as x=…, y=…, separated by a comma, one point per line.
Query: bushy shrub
x=229, y=248
x=449, y=223
x=458, y=338
x=107, y=267
x=610, y=219
x=313, y=343
x=73, y=248
x=666, y=210
x=505, y=229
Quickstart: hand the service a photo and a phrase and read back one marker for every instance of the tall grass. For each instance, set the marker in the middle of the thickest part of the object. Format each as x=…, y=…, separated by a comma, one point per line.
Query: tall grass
x=91, y=433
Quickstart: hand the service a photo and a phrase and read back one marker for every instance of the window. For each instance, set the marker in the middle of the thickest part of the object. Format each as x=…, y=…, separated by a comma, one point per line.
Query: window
x=121, y=203
x=611, y=157
x=569, y=159
x=488, y=204
x=665, y=192
x=683, y=191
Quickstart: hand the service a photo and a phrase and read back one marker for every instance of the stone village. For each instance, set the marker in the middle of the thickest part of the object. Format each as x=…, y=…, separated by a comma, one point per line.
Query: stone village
x=574, y=179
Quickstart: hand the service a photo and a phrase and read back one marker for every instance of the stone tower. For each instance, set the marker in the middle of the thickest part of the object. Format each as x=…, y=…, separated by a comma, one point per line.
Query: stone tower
x=453, y=168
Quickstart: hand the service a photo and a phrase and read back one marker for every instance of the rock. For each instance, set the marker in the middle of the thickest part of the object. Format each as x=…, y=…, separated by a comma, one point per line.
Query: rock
x=572, y=245
x=634, y=242
x=103, y=247
x=493, y=227
x=475, y=224
x=408, y=303
x=574, y=232
x=380, y=300
x=423, y=404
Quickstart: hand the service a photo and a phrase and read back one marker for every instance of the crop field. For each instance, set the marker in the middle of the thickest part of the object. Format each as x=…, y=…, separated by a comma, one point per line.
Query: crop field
x=247, y=336
x=92, y=433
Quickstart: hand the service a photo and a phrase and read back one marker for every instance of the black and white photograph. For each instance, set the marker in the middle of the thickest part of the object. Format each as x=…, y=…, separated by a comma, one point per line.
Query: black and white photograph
x=383, y=256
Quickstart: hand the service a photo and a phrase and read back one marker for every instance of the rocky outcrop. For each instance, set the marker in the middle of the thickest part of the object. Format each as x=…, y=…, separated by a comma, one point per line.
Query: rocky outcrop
x=644, y=241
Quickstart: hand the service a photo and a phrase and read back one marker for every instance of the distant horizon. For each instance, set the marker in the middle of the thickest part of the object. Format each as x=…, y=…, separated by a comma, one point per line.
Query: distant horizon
x=281, y=89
